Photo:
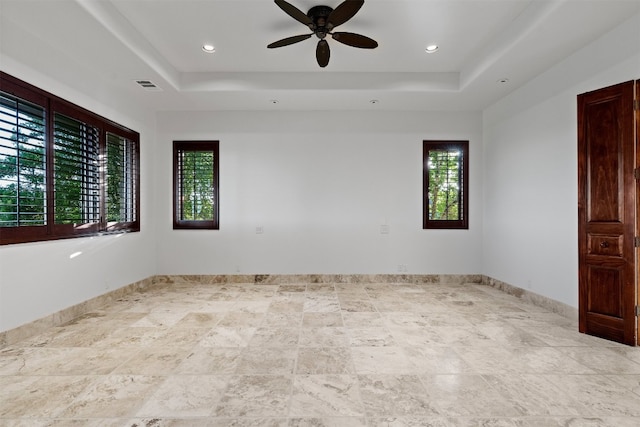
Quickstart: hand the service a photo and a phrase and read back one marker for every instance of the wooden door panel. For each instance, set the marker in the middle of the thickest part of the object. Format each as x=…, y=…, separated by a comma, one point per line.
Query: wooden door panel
x=605, y=292
x=607, y=328
x=607, y=245
x=606, y=213
x=604, y=163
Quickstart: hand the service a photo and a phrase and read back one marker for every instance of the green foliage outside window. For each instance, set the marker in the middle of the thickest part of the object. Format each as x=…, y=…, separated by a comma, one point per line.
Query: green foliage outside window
x=22, y=163
x=197, y=186
x=120, y=171
x=76, y=172
x=444, y=185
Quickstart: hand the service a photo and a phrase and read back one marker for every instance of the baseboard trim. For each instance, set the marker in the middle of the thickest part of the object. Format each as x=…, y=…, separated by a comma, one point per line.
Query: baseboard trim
x=61, y=317
x=533, y=298
x=319, y=278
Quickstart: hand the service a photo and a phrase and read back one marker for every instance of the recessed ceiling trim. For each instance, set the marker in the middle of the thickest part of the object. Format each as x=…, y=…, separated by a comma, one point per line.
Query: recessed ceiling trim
x=531, y=18
x=108, y=15
x=401, y=82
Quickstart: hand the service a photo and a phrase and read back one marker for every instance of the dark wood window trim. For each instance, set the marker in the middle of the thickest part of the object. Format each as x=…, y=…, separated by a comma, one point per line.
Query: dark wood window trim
x=51, y=226
x=182, y=149
x=460, y=219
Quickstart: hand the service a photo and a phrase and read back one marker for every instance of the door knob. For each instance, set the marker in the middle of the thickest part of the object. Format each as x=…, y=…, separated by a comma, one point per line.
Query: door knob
x=604, y=244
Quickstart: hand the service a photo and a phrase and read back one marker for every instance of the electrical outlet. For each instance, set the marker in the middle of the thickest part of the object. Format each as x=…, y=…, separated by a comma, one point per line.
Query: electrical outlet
x=403, y=268
x=259, y=229
x=384, y=229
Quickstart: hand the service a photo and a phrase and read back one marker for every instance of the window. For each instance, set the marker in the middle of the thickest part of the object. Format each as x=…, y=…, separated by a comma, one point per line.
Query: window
x=121, y=180
x=22, y=163
x=64, y=171
x=446, y=184
x=195, y=185
x=76, y=174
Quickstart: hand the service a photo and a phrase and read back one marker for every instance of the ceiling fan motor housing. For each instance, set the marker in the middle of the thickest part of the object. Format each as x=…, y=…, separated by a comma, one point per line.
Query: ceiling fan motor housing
x=319, y=15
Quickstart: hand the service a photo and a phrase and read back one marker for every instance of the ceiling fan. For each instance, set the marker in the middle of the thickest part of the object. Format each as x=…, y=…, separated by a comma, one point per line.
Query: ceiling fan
x=321, y=20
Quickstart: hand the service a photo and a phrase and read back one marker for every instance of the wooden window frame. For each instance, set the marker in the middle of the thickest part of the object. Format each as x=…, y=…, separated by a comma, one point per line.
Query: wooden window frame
x=440, y=145
x=53, y=105
x=208, y=146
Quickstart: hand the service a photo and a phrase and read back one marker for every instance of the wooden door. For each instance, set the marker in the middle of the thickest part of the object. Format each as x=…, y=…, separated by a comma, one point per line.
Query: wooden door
x=607, y=213
x=636, y=112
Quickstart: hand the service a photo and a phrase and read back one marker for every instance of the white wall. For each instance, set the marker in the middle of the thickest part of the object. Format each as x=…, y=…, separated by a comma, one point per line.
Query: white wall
x=530, y=167
x=38, y=279
x=320, y=184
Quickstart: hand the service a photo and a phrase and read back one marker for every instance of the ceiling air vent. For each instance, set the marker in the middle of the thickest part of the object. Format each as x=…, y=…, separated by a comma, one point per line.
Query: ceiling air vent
x=148, y=85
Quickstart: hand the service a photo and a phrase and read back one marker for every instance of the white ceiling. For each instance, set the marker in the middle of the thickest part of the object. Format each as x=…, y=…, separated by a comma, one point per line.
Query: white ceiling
x=103, y=46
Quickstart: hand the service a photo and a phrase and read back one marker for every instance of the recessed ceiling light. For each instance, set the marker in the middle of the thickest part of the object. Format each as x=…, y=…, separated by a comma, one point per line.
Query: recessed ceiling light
x=274, y=101
x=374, y=101
x=503, y=80
x=431, y=48
x=209, y=48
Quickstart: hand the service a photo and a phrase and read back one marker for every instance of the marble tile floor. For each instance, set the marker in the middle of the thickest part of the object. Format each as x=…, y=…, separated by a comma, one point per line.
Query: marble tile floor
x=376, y=354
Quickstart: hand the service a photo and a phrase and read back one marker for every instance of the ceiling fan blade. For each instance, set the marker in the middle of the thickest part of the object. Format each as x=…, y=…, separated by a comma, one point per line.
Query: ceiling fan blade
x=355, y=40
x=294, y=12
x=344, y=12
x=289, y=40
x=323, y=53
